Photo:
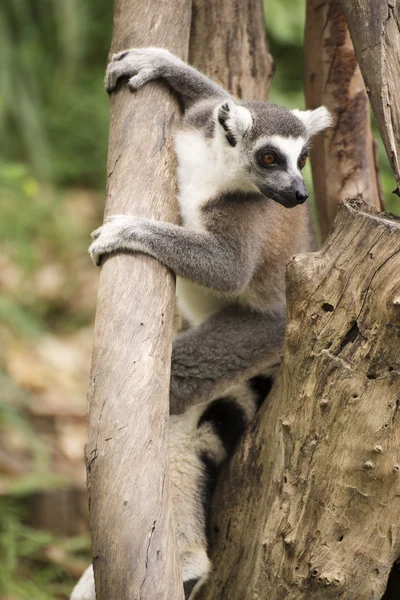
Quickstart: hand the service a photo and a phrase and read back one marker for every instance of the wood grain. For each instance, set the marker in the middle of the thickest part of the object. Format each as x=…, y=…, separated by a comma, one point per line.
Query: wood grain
x=310, y=506
x=342, y=158
x=127, y=452
x=375, y=31
x=228, y=43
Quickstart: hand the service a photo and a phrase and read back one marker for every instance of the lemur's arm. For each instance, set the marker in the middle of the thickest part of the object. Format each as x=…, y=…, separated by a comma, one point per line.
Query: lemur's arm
x=231, y=346
x=142, y=65
x=209, y=260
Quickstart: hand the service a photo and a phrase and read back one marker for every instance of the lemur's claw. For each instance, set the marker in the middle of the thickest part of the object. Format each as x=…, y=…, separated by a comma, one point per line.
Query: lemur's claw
x=95, y=234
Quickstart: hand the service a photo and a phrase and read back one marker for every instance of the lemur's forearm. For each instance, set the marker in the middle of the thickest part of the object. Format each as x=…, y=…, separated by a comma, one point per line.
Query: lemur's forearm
x=147, y=64
x=223, y=350
x=192, y=84
x=199, y=256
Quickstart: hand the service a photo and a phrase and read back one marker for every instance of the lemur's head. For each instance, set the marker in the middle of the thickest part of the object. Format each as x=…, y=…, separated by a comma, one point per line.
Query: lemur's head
x=271, y=145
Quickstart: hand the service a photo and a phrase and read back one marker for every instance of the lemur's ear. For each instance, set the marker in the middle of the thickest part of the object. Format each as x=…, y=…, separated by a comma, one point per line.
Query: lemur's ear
x=314, y=120
x=235, y=120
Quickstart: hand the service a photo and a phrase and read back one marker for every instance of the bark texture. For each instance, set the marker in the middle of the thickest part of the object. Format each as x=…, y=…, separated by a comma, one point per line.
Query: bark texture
x=228, y=43
x=343, y=158
x=310, y=506
x=375, y=30
x=127, y=452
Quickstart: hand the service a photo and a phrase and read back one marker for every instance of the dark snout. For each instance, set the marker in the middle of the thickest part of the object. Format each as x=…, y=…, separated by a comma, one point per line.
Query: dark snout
x=301, y=193
x=289, y=197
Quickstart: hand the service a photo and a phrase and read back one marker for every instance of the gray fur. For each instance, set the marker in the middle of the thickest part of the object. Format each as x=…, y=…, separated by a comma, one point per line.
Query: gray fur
x=142, y=65
x=219, y=351
x=217, y=262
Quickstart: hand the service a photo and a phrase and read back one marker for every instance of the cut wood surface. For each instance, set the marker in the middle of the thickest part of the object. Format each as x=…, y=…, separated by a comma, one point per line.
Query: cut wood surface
x=343, y=158
x=127, y=452
x=375, y=30
x=310, y=506
x=228, y=43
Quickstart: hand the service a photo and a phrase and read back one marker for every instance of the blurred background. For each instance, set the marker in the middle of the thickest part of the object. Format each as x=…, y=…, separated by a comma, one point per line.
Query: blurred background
x=53, y=127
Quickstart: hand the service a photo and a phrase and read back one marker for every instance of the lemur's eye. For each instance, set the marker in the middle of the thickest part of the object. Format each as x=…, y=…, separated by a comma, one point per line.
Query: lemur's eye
x=269, y=159
x=302, y=161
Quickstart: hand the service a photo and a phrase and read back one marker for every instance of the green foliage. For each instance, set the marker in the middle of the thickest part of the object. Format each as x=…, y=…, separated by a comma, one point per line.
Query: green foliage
x=27, y=569
x=53, y=109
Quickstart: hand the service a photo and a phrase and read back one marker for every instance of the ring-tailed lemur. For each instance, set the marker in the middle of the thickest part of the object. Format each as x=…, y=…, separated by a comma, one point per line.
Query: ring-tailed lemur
x=239, y=169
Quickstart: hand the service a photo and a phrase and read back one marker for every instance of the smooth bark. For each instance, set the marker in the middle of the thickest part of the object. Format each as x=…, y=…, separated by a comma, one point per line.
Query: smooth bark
x=375, y=31
x=228, y=43
x=310, y=506
x=127, y=452
x=343, y=159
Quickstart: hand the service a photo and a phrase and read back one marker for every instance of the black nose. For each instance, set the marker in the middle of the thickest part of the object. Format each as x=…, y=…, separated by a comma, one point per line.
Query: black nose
x=301, y=197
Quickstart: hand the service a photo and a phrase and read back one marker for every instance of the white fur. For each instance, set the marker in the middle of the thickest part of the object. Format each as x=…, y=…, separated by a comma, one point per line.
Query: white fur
x=314, y=120
x=290, y=147
x=206, y=169
x=197, y=302
x=84, y=589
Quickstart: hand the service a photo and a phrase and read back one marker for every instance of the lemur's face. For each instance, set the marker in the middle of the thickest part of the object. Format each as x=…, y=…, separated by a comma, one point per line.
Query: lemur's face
x=271, y=145
x=276, y=166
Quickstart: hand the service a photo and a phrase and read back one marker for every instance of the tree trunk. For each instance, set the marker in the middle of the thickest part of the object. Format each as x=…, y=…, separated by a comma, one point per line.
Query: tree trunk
x=127, y=452
x=343, y=159
x=310, y=506
x=375, y=30
x=228, y=43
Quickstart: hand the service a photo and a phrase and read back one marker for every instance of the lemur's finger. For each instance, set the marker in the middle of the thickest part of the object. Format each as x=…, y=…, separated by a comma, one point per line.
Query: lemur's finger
x=120, y=55
x=95, y=256
x=111, y=78
x=139, y=80
x=95, y=234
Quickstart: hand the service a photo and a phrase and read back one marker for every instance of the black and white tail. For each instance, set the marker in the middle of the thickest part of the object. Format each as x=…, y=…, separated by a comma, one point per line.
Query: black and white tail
x=200, y=441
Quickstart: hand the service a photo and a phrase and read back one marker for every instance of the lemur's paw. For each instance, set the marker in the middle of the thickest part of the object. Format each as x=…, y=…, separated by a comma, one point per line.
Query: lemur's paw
x=108, y=237
x=141, y=65
x=196, y=567
x=119, y=232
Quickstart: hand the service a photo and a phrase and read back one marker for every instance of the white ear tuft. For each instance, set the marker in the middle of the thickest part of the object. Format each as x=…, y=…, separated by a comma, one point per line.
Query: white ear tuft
x=314, y=120
x=234, y=119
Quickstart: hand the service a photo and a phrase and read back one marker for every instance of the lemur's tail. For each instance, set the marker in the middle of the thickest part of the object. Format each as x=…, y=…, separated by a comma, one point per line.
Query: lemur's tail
x=201, y=440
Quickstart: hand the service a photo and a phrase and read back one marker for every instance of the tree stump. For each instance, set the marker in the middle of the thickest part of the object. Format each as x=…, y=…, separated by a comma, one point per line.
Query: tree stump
x=309, y=508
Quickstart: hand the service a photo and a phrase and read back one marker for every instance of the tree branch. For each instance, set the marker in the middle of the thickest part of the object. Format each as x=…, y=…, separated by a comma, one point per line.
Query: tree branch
x=375, y=31
x=127, y=452
x=228, y=43
x=343, y=158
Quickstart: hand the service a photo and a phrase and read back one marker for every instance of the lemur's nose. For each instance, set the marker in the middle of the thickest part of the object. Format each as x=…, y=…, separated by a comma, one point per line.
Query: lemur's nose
x=301, y=196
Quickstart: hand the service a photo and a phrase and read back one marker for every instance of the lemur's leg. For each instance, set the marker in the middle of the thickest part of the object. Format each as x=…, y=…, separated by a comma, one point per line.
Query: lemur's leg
x=214, y=262
x=142, y=65
x=232, y=345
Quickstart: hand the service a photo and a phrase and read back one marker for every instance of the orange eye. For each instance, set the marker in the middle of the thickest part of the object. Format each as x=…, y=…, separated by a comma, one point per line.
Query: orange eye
x=268, y=159
x=302, y=161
